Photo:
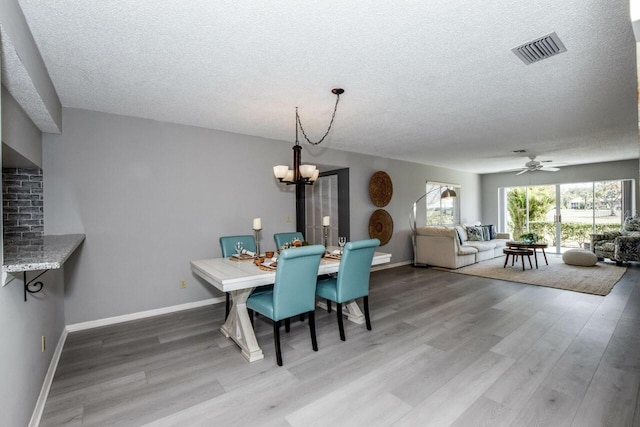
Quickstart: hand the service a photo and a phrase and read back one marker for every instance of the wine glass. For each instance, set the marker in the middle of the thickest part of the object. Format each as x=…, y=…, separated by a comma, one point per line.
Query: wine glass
x=341, y=242
x=239, y=247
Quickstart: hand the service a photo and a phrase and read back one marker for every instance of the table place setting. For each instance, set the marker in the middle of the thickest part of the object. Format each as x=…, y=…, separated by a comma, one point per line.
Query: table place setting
x=335, y=255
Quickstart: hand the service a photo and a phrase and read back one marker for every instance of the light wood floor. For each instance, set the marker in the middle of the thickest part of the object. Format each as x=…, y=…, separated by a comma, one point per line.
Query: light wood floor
x=445, y=349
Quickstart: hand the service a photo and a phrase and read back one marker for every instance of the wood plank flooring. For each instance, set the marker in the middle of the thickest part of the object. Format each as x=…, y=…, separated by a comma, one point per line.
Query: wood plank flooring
x=445, y=350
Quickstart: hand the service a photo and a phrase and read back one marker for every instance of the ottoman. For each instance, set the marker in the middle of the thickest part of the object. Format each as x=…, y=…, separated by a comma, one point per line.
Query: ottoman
x=580, y=257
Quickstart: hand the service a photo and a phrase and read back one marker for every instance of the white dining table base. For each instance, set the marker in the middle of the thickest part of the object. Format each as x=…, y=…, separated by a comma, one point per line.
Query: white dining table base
x=351, y=310
x=238, y=326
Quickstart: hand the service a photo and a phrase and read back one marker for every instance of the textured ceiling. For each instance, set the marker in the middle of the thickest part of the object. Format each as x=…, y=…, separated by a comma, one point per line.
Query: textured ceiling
x=431, y=82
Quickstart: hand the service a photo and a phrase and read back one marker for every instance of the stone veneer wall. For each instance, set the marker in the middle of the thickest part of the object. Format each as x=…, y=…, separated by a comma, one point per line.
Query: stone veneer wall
x=22, y=205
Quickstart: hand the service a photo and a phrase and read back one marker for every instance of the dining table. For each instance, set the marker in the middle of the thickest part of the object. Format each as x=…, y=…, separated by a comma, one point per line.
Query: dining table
x=240, y=277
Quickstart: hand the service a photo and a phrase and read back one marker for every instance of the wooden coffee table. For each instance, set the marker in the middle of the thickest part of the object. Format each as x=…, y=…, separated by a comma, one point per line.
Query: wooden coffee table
x=533, y=246
x=515, y=253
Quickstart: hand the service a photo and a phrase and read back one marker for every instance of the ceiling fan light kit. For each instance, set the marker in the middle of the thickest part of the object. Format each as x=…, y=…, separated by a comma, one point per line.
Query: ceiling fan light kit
x=534, y=165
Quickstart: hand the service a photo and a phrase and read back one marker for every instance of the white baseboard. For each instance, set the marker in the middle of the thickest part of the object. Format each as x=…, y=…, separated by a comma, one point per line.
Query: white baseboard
x=141, y=314
x=387, y=266
x=171, y=309
x=36, y=416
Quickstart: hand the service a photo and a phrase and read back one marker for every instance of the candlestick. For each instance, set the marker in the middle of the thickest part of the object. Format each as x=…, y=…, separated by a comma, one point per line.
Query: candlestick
x=325, y=228
x=257, y=233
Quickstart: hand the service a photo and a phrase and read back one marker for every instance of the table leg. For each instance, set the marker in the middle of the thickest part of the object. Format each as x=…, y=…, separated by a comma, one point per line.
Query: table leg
x=545, y=256
x=238, y=326
x=535, y=256
x=350, y=309
x=506, y=259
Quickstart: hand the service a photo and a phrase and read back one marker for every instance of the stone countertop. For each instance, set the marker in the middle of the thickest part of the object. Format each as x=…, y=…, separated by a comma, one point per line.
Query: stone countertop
x=49, y=255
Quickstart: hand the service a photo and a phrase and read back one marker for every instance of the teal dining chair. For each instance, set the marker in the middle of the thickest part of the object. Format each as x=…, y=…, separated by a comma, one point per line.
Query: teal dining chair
x=293, y=293
x=352, y=281
x=282, y=238
x=228, y=248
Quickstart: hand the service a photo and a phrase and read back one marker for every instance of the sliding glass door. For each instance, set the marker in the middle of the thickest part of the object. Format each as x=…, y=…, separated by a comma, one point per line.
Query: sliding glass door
x=531, y=210
x=589, y=207
x=565, y=215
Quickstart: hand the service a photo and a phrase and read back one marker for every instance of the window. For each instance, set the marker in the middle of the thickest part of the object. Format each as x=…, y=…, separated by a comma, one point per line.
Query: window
x=441, y=209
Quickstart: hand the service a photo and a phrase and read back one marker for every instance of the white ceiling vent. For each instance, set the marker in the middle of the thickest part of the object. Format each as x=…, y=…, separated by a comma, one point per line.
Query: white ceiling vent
x=539, y=49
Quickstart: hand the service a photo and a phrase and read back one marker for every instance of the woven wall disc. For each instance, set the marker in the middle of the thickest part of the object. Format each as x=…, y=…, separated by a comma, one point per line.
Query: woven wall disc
x=381, y=226
x=380, y=189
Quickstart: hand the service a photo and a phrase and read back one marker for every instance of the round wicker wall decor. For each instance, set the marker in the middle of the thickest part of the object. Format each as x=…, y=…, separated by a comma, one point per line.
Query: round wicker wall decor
x=381, y=226
x=380, y=189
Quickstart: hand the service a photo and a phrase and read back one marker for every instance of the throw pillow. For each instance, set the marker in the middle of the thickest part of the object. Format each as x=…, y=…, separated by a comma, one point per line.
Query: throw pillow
x=462, y=234
x=486, y=233
x=632, y=224
x=475, y=234
x=493, y=233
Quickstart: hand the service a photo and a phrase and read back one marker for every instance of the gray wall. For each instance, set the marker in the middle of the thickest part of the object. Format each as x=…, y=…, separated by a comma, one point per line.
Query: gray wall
x=19, y=133
x=627, y=169
x=23, y=365
x=152, y=196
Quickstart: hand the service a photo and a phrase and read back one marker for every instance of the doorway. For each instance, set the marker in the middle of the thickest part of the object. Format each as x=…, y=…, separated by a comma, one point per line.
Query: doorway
x=329, y=196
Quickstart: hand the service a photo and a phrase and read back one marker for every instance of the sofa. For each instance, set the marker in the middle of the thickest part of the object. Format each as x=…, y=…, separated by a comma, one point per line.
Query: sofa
x=453, y=247
x=619, y=245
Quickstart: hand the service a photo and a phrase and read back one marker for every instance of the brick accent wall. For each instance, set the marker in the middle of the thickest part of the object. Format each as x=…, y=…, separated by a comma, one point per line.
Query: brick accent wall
x=22, y=205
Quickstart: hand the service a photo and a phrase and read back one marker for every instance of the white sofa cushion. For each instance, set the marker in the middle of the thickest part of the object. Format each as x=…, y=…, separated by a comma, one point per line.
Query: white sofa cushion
x=481, y=246
x=467, y=250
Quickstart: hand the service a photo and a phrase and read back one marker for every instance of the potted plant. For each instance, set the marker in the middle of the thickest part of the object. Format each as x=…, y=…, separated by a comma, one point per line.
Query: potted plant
x=530, y=238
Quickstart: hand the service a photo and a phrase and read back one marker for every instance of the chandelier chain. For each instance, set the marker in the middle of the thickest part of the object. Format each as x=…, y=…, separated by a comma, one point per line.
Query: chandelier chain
x=333, y=116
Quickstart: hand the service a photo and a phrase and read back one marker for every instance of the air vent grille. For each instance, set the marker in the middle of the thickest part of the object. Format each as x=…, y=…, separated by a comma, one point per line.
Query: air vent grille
x=539, y=49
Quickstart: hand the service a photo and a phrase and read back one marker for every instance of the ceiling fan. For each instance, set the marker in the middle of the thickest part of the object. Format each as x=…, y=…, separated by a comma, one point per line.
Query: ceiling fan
x=534, y=165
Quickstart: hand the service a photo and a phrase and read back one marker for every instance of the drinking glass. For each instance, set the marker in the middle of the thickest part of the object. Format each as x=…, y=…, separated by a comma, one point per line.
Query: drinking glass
x=239, y=247
x=341, y=242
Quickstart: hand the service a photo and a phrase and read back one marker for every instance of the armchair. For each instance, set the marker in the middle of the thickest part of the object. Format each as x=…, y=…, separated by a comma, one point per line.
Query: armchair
x=619, y=245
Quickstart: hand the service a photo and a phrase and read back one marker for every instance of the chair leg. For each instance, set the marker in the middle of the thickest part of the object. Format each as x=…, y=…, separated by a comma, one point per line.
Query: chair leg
x=366, y=312
x=340, y=324
x=227, y=307
x=328, y=306
x=302, y=317
x=287, y=325
x=312, y=330
x=276, y=341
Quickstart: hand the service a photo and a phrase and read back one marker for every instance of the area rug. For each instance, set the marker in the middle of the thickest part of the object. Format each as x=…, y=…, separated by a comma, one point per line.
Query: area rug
x=598, y=280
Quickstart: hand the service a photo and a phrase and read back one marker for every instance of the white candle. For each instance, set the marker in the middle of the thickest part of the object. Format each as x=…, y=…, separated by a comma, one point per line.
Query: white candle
x=257, y=223
x=326, y=221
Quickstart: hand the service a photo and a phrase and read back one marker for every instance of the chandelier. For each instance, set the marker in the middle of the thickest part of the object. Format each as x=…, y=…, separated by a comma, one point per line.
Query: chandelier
x=303, y=174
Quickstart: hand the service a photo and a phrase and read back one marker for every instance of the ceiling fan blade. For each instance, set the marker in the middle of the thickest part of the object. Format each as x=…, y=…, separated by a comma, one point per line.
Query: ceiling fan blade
x=522, y=171
x=549, y=169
